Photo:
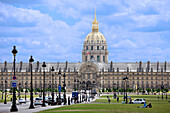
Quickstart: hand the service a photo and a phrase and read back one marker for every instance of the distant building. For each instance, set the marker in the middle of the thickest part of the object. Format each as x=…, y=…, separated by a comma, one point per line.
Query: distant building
x=94, y=72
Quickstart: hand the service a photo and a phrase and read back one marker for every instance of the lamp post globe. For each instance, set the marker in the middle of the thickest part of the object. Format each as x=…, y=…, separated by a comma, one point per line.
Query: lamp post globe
x=52, y=69
x=31, y=60
x=43, y=105
x=14, y=107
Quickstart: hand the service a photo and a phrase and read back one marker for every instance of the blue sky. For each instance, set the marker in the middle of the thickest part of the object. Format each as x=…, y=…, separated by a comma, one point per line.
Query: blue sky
x=54, y=30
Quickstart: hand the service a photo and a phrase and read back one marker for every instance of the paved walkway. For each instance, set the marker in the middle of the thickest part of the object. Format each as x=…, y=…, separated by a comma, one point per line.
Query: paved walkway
x=23, y=108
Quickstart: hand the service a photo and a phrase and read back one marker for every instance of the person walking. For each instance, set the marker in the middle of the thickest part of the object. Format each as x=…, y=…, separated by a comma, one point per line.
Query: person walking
x=117, y=99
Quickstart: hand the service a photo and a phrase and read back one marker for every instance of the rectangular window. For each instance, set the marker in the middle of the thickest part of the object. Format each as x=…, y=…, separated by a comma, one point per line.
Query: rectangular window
x=109, y=84
x=91, y=47
x=102, y=47
x=91, y=57
x=68, y=83
x=151, y=78
x=98, y=58
x=103, y=58
x=87, y=48
x=118, y=78
x=97, y=47
x=93, y=76
x=117, y=84
x=88, y=76
x=83, y=76
x=86, y=58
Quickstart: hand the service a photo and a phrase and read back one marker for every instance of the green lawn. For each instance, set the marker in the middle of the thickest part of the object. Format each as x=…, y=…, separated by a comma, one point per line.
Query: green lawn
x=101, y=106
x=10, y=96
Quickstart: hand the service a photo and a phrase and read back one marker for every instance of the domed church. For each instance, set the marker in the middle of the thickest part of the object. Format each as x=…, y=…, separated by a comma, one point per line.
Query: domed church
x=95, y=45
x=94, y=73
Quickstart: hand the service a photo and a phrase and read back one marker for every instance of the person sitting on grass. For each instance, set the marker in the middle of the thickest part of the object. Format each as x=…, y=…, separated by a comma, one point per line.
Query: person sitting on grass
x=144, y=105
x=149, y=105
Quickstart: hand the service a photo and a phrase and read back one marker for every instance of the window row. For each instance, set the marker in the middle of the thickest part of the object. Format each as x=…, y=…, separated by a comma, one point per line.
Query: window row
x=92, y=48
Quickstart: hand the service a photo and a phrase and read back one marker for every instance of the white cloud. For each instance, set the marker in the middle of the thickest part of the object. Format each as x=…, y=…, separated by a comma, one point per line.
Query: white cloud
x=36, y=42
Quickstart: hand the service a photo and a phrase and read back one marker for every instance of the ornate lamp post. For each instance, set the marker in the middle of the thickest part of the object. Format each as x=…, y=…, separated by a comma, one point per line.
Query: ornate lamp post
x=19, y=90
x=166, y=91
x=64, y=89
x=43, y=105
x=125, y=79
x=80, y=92
x=2, y=91
x=162, y=88
x=52, y=69
x=5, y=92
x=25, y=92
x=14, y=107
x=31, y=60
x=74, y=84
x=59, y=100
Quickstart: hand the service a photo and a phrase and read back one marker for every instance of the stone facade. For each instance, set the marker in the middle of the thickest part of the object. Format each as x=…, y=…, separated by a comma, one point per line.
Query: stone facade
x=93, y=72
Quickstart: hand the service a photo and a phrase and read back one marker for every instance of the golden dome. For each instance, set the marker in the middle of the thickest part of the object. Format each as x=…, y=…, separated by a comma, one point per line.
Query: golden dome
x=95, y=36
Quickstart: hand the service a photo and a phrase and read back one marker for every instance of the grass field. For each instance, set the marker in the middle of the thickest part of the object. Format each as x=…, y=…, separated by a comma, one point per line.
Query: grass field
x=101, y=106
x=10, y=96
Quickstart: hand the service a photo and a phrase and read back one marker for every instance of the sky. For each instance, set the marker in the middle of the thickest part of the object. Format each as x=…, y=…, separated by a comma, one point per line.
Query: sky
x=55, y=30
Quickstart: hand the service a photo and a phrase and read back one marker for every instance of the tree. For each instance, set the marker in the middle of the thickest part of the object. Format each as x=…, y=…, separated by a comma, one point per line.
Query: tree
x=148, y=90
x=38, y=89
x=166, y=89
x=158, y=90
x=153, y=90
x=109, y=90
x=22, y=90
x=103, y=90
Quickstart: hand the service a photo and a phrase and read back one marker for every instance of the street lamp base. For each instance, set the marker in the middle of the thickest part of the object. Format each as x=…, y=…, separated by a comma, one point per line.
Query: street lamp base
x=31, y=107
x=43, y=105
x=5, y=102
x=13, y=108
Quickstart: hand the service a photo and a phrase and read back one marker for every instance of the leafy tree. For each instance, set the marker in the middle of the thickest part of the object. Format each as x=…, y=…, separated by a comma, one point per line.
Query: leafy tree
x=109, y=90
x=55, y=90
x=166, y=89
x=153, y=90
x=38, y=89
x=158, y=90
x=148, y=90
x=103, y=90
x=22, y=90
